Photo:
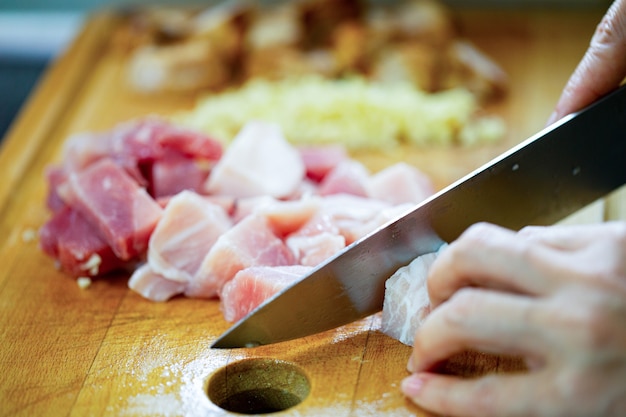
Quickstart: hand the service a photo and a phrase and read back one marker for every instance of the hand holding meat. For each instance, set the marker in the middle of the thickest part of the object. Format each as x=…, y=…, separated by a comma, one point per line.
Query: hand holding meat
x=603, y=67
x=555, y=296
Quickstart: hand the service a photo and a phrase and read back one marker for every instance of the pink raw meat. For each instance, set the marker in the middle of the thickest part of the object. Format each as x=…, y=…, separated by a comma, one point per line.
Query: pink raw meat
x=55, y=176
x=77, y=245
x=248, y=205
x=252, y=286
x=250, y=242
x=349, y=213
x=314, y=249
x=400, y=183
x=142, y=140
x=154, y=286
x=189, y=227
x=258, y=162
x=357, y=230
x=123, y=213
x=320, y=160
x=286, y=217
x=176, y=173
x=349, y=177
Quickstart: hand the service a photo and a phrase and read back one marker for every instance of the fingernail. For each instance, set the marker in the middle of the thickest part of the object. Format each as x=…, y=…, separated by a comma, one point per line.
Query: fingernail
x=553, y=118
x=412, y=385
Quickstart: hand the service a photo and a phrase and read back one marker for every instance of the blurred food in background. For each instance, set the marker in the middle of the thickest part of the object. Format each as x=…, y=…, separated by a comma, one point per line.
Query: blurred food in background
x=327, y=71
x=226, y=45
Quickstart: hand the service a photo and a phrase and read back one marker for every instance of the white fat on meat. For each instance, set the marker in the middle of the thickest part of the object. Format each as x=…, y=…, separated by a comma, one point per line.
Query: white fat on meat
x=189, y=227
x=252, y=286
x=154, y=286
x=258, y=162
x=406, y=304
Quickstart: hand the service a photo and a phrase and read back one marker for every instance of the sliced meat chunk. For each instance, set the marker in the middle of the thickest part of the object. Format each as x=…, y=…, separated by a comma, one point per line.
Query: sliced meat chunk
x=403, y=315
x=348, y=177
x=400, y=183
x=252, y=286
x=314, y=249
x=176, y=173
x=320, y=160
x=154, y=286
x=77, y=245
x=123, y=213
x=251, y=242
x=258, y=162
x=189, y=227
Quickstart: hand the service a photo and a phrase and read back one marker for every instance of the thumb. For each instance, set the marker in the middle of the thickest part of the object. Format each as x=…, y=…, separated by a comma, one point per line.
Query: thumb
x=603, y=66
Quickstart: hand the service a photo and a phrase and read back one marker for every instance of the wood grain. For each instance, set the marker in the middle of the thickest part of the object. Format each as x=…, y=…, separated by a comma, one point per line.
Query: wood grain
x=105, y=351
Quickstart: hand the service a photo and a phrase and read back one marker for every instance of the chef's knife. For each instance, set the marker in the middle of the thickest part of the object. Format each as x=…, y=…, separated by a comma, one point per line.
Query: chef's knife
x=547, y=177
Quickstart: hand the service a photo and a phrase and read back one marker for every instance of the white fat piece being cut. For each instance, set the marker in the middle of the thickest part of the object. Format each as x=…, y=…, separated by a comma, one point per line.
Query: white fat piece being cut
x=406, y=303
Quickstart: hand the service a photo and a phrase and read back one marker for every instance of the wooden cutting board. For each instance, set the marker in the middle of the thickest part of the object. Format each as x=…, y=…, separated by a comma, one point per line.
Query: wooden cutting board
x=105, y=351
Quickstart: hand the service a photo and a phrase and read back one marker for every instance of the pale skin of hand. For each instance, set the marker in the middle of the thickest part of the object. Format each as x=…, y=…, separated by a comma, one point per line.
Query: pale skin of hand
x=555, y=296
x=602, y=68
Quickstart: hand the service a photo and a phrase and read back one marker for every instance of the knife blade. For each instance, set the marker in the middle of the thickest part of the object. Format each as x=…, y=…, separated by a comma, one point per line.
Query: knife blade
x=550, y=175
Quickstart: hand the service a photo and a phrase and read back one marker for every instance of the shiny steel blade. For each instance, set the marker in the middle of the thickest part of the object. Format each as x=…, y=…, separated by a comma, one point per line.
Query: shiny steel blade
x=549, y=176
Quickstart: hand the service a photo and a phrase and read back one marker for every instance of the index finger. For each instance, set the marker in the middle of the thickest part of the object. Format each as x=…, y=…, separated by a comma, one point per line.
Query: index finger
x=489, y=256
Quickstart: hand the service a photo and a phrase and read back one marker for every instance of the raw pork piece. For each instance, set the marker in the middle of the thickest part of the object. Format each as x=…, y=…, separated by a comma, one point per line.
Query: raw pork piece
x=320, y=160
x=77, y=245
x=55, y=176
x=358, y=230
x=258, y=162
x=176, y=173
x=252, y=286
x=400, y=183
x=139, y=141
x=249, y=205
x=154, y=286
x=286, y=217
x=123, y=213
x=349, y=177
x=349, y=214
x=314, y=249
x=189, y=227
x=406, y=303
x=251, y=242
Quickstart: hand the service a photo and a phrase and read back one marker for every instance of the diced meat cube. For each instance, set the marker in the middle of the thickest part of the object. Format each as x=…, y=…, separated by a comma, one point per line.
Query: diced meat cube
x=154, y=286
x=252, y=286
x=77, y=245
x=124, y=213
x=258, y=162
x=176, y=173
x=251, y=242
x=400, y=183
x=55, y=176
x=189, y=227
x=314, y=249
x=285, y=217
x=349, y=177
x=250, y=205
x=320, y=160
x=349, y=214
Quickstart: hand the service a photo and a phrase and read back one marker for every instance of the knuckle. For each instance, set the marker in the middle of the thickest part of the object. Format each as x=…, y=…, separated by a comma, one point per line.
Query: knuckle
x=587, y=325
x=460, y=306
